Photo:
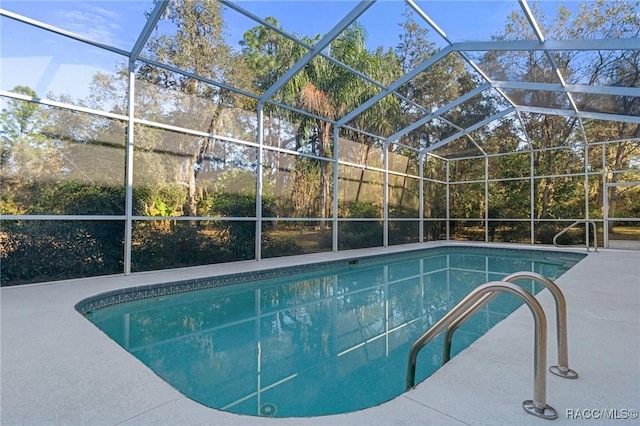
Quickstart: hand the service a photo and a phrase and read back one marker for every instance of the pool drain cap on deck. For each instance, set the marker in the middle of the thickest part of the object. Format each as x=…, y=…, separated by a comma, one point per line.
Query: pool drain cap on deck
x=268, y=409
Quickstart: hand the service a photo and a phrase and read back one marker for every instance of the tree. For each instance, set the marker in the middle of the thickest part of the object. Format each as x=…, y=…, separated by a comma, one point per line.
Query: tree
x=18, y=122
x=27, y=156
x=614, y=68
x=268, y=55
x=322, y=89
x=197, y=46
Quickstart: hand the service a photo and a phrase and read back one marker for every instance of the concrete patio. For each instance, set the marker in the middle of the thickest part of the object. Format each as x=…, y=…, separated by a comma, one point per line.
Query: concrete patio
x=58, y=369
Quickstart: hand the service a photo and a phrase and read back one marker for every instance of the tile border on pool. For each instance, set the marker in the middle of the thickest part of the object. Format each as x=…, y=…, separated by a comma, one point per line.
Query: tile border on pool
x=130, y=294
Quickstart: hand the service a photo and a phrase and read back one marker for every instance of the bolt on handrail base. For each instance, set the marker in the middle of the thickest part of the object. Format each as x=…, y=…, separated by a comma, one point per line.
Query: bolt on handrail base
x=565, y=373
x=548, y=412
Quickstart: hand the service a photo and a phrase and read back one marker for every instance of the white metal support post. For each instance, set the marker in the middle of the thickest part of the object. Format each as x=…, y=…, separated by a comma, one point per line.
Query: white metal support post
x=532, y=195
x=448, y=215
x=385, y=195
x=144, y=35
x=486, y=198
x=334, y=221
x=128, y=204
x=260, y=135
x=585, y=161
x=586, y=183
x=605, y=197
x=422, y=222
x=605, y=207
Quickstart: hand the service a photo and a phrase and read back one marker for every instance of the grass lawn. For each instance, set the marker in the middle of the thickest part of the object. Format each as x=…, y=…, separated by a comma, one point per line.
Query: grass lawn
x=625, y=233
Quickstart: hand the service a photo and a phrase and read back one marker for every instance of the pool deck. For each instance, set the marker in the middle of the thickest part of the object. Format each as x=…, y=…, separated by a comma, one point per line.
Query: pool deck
x=58, y=369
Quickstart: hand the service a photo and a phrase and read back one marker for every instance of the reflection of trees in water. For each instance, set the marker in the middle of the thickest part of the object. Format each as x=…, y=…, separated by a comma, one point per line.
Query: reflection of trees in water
x=336, y=330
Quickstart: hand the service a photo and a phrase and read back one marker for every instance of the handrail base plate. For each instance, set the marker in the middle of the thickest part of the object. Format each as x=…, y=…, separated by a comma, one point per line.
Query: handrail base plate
x=548, y=412
x=569, y=374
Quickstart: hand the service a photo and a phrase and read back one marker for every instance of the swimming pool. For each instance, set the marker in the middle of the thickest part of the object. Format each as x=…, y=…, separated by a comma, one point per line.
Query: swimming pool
x=332, y=339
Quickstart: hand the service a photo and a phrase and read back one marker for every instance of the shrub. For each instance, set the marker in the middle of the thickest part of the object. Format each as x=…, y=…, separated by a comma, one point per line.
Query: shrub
x=36, y=251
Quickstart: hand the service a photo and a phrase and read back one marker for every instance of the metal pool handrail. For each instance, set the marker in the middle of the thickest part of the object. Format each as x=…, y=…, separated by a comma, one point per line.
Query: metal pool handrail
x=562, y=369
x=537, y=406
x=577, y=222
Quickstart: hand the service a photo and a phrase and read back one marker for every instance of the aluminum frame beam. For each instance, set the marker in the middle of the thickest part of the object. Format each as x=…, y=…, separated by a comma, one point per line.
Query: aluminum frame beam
x=532, y=20
x=579, y=88
x=149, y=26
x=197, y=77
x=470, y=129
x=428, y=19
x=524, y=45
x=298, y=111
x=57, y=104
x=581, y=114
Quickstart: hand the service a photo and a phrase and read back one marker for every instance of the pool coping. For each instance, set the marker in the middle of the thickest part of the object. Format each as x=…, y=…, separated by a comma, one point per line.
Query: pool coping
x=130, y=294
x=57, y=368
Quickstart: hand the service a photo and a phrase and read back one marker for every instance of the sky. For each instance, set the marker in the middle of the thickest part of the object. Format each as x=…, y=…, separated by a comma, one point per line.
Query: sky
x=45, y=61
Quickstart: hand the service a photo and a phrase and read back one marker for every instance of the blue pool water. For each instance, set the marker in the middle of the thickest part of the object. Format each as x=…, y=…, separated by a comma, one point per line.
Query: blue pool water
x=318, y=343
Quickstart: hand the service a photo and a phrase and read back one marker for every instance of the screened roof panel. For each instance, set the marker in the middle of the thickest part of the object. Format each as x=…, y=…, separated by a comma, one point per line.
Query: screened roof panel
x=382, y=24
x=114, y=23
x=268, y=53
x=410, y=111
x=501, y=136
x=325, y=89
x=46, y=66
x=538, y=98
x=476, y=109
x=601, y=130
x=248, y=55
x=383, y=118
x=441, y=83
x=417, y=138
x=589, y=19
x=350, y=49
x=488, y=17
x=531, y=66
x=603, y=67
x=459, y=148
x=550, y=130
x=304, y=24
x=410, y=36
x=427, y=134
x=591, y=102
x=438, y=130
x=498, y=99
